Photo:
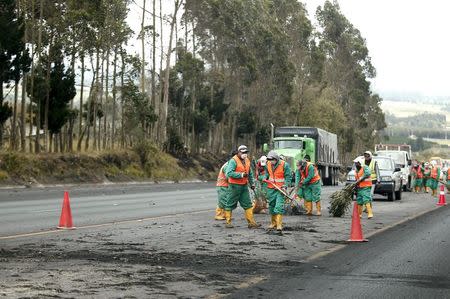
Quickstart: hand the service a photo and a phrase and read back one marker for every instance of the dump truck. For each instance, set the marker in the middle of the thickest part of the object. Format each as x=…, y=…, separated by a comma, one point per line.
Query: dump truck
x=320, y=146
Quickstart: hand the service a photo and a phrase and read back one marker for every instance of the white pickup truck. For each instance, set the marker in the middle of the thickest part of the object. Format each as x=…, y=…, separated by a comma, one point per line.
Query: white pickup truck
x=403, y=161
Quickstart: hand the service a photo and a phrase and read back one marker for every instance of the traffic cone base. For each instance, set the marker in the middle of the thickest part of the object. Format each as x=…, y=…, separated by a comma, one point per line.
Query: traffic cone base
x=442, y=197
x=356, y=234
x=65, y=221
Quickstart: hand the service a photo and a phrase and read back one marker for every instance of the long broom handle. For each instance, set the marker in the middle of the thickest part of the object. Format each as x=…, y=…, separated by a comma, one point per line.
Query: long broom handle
x=279, y=189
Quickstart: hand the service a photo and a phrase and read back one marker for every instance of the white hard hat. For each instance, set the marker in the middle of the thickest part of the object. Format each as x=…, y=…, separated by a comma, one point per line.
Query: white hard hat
x=272, y=155
x=433, y=163
x=243, y=149
x=359, y=160
x=368, y=153
x=263, y=160
x=427, y=164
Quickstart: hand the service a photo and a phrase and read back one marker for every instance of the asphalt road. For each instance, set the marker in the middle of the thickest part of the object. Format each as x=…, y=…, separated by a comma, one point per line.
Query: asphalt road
x=411, y=260
x=31, y=210
x=37, y=209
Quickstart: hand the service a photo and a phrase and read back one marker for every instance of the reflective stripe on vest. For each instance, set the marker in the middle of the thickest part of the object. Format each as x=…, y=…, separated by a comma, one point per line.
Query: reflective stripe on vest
x=276, y=176
x=373, y=173
x=434, y=172
x=240, y=168
x=367, y=181
x=316, y=176
x=222, y=178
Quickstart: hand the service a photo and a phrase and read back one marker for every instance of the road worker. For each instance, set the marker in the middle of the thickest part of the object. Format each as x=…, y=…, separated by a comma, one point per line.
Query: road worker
x=279, y=175
x=364, y=187
x=222, y=190
x=435, y=175
x=417, y=174
x=374, y=171
x=447, y=179
x=240, y=176
x=426, y=176
x=308, y=179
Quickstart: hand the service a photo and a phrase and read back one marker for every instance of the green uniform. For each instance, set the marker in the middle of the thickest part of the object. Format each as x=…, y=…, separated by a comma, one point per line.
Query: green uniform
x=310, y=192
x=364, y=195
x=418, y=181
x=276, y=199
x=222, y=193
x=447, y=180
x=426, y=177
x=433, y=183
x=237, y=193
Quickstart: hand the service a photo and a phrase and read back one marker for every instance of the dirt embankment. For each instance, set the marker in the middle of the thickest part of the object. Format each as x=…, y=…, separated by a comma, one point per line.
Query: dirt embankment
x=118, y=166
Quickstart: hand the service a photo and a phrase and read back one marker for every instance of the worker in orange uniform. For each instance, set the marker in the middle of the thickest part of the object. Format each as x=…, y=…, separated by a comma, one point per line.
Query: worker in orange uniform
x=240, y=176
x=308, y=179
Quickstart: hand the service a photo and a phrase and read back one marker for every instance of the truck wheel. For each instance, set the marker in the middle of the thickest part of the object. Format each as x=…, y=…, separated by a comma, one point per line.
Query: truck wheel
x=398, y=194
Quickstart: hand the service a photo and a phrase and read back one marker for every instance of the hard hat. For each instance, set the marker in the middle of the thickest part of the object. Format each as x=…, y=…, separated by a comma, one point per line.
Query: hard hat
x=359, y=160
x=263, y=160
x=368, y=153
x=272, y=155
x=243, y=149
x=427, y=164
x=433, y=163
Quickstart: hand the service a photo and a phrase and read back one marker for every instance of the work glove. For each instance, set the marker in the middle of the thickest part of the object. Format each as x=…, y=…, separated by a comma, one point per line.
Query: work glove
x=244, y=175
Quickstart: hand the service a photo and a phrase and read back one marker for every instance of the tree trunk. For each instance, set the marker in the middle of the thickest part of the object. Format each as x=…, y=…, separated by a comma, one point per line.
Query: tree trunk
x=39, y=50
x=114, y=91
x=143, y=48
x=153, y=98
x=81, y=104
x=24, y=87
x=105, y=131
x=166, y=75
x=97, y=71
x=92, y=95
x=47, y=96
x=13, y=136
x=122, y=75
x=102, y=81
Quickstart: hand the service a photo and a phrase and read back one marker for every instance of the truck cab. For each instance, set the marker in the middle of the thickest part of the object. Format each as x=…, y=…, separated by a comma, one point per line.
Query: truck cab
x=314, y=144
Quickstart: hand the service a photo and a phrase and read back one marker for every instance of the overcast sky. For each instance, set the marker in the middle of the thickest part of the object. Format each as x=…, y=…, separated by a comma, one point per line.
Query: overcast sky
x=408, y=41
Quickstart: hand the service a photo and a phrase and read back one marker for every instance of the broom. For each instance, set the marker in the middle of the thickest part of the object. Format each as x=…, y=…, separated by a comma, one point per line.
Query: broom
x=341, y=200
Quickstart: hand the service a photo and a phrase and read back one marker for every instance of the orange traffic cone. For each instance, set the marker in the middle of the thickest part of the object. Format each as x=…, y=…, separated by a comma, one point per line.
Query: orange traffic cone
x=65, y=221
x=442, y=197
x=356, y=234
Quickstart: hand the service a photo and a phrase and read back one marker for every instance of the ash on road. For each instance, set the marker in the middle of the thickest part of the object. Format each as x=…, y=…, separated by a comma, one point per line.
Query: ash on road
x=177, y=256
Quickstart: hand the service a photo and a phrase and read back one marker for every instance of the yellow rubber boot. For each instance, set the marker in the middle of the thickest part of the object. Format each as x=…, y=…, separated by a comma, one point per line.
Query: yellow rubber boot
x=360, y=210
x=228, y=219
x=273, y=222
x=251, y=221
x=369, y=210
x=220, y=215
x=319, y=209
x=308, y=207
x=279, y=221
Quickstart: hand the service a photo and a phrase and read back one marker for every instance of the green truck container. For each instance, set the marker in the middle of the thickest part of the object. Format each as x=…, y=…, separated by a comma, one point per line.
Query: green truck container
x=296, y=143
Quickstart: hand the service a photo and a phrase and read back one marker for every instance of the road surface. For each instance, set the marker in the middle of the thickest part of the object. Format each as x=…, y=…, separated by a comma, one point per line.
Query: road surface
x=409, y=261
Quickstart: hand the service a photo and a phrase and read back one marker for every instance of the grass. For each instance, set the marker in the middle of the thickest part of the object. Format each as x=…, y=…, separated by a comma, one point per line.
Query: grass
x=116, y=166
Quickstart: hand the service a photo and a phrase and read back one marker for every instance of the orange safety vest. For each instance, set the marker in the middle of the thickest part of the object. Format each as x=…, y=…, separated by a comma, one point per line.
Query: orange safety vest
x=222, y=178
x=448, y=174
x=367, y=181
x=434, y=172
x=419, y=173
x=305, y=172
x=240, y=168
x=276, y=176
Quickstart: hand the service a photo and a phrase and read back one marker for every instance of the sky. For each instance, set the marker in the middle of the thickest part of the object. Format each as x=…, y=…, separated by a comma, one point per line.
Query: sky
x=408, y=41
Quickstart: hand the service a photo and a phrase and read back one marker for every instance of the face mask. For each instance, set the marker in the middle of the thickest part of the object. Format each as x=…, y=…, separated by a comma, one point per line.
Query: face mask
x=244, y=156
